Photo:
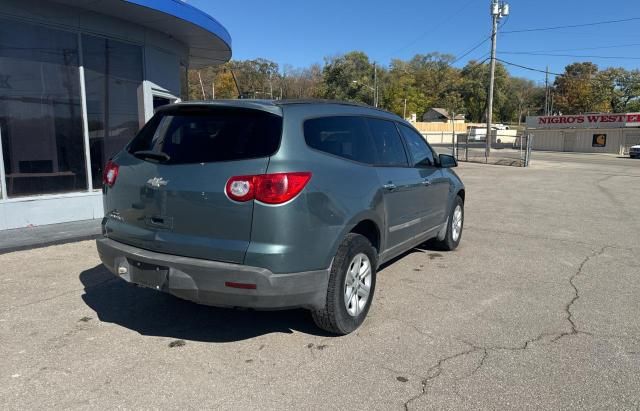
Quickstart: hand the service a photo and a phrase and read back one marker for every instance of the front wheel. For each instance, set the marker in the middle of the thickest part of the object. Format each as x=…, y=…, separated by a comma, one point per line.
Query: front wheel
x=352, y=281
x=455, y=224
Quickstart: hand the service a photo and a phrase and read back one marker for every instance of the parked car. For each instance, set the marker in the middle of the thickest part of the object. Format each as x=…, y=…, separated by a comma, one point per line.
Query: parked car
x=477, y=134
x=273, y=205
x=634, y=151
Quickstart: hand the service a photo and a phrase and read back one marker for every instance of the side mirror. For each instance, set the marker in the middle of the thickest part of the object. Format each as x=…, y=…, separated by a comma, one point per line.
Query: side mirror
x=447, y=161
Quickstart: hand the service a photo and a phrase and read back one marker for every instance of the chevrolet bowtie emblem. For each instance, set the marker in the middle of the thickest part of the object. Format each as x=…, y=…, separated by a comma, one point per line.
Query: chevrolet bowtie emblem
x=156, y=182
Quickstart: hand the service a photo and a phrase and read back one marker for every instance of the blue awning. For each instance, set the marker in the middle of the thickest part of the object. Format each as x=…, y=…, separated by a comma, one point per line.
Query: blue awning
x=208, y=41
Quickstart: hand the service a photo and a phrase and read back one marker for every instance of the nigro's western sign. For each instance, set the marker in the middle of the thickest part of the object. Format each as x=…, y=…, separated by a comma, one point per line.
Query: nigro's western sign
x=585, y=121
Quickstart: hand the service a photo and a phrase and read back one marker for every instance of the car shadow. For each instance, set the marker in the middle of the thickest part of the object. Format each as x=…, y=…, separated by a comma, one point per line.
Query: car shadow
x=429, y=248
x=153, y=313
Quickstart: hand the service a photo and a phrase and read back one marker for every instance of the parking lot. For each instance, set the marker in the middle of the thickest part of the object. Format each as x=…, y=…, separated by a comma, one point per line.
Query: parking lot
x=538, y=308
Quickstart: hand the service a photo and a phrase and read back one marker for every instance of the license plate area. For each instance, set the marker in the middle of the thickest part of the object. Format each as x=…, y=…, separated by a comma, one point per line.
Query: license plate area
x=149, y=275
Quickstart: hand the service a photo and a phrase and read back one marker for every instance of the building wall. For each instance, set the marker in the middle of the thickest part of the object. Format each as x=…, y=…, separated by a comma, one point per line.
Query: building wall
x=581, y=140
x=162, y=58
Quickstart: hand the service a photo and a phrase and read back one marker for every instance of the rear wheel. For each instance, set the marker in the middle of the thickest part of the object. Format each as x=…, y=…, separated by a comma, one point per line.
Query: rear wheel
x=352, y=282
x=455, y=224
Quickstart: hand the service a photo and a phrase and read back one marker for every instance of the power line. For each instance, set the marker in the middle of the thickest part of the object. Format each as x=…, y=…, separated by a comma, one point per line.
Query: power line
x=552, y=73
x=432, y=29
x=570, y=55
x=571, y=26
x=527, y=68
x=474, y=48
x=471, y=50
x=583, y=48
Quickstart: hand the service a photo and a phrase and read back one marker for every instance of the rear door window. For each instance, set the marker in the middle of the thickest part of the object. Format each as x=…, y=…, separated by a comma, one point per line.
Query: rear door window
x=389, y=148
x=419, y=152
x=206, y=135
x=342, y=136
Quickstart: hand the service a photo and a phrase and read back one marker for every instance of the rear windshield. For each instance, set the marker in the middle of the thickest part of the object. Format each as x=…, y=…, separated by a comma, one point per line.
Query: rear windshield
x=207, y=135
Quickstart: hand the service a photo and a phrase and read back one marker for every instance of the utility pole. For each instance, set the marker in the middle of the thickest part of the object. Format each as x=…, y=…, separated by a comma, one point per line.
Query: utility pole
x=404, y=115
x=375, y=85
x=498, y=11
x=546, y=92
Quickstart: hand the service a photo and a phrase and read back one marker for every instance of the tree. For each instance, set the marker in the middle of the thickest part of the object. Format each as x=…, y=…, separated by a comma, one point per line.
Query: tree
x=400, y=86
x=474, y=88
x=522, y=93
x=625, y=91
x=574, y=91
x=349, y=77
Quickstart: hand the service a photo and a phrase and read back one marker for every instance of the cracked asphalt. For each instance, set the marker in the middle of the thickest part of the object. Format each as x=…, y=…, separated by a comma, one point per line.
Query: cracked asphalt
x=538, y=308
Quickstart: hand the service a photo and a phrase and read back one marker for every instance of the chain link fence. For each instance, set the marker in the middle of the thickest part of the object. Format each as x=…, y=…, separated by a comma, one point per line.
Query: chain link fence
x=505, y=149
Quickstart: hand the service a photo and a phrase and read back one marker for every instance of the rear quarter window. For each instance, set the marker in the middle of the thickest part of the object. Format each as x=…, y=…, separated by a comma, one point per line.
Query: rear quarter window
x=343, y=136
x=206, y=135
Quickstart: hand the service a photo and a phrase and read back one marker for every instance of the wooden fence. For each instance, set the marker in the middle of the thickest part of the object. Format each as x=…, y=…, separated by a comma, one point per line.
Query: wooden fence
x=444, y=127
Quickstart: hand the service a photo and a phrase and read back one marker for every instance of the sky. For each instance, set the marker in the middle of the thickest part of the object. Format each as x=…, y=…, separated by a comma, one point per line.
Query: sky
x=301, y=33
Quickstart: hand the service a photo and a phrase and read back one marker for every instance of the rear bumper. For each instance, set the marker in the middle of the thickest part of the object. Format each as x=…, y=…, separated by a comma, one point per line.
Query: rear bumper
x=203, y=281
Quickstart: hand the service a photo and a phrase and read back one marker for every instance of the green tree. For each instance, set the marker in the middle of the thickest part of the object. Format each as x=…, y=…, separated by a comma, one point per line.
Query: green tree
x=400, y=85
x=575, y=91
x=349, y=77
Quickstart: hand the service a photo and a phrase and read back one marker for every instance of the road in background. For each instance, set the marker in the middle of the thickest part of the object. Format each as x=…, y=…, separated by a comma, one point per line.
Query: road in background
x=538, y=308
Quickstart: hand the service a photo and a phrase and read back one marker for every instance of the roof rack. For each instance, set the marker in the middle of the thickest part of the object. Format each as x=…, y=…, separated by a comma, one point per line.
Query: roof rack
x=327, y=101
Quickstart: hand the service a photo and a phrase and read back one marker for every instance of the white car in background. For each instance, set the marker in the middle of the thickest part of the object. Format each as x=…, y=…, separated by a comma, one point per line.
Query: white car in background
x=634, y=151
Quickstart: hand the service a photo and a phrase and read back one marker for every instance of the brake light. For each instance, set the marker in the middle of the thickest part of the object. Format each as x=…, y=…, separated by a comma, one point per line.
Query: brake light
x=275, y=188
x=110, y=173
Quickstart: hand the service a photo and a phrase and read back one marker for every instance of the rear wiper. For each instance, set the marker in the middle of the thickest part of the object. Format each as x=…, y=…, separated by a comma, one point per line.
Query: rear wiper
x=153, y=155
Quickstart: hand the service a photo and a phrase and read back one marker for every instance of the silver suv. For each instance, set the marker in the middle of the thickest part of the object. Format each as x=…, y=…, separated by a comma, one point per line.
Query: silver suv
x=273, y=205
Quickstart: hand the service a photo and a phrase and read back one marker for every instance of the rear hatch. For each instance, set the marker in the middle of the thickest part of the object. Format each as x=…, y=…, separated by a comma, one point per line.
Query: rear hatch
x=169, y=193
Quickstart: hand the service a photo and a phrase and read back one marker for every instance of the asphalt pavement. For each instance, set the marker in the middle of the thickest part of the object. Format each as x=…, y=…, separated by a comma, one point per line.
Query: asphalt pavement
x=538, y=308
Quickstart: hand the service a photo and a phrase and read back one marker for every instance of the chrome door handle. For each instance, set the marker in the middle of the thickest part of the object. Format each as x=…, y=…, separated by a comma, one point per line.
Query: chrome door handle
x=389, y=186
x=426, y=182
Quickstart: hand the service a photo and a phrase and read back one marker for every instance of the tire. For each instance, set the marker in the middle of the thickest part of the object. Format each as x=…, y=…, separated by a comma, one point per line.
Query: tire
x=453, y=237
x=341, y=316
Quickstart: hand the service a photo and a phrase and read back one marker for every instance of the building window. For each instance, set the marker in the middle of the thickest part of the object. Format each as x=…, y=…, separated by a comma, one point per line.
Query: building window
x=113, y=73
x=40, y=110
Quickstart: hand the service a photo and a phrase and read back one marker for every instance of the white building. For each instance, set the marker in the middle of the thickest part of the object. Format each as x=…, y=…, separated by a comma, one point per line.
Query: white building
x=586, y=133
x=78, y=78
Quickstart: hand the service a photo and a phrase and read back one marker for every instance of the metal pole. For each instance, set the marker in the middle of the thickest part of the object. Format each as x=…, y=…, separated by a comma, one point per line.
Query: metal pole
x=405, y=109
x=85, y=115
x=213, y=89
x=453, y=134
x=466, y=148
x=521, y=151
x=492, y=74
x=3, y=182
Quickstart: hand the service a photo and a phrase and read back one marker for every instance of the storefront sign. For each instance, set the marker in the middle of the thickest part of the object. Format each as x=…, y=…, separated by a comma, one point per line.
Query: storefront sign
x=585, y=121
x=599, y=140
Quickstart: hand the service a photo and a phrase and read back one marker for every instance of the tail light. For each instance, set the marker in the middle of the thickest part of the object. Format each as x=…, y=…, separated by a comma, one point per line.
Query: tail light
x=275, y=188
x=110, y=173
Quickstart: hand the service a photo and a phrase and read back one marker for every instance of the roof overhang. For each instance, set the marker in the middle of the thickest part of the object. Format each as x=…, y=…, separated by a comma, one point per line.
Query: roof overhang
x=208, y=41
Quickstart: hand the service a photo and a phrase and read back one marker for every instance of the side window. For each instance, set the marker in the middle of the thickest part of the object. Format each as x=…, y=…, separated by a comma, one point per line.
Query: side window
x=346, y=137
x=387, y=142
x=419, y=151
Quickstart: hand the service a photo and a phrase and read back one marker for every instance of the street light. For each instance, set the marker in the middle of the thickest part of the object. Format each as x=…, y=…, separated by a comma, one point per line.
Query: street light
x=375, y=102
